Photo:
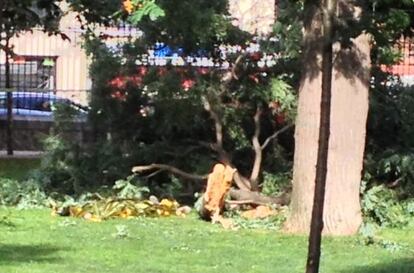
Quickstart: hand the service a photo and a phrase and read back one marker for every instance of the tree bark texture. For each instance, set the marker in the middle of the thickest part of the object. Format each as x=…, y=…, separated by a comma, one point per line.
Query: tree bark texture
x=349, y=104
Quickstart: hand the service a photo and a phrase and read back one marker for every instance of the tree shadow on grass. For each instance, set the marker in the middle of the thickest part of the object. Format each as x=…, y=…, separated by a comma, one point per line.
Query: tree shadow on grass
x=13, y=254
x=404, y=265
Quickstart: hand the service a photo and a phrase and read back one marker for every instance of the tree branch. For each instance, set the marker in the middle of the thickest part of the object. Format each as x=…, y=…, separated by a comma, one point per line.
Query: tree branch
x=257, y=150
x=169, y=168
x=257, y=198
x=236, y=63
x=241, y=182
x=152, y=174
x=217, y=122
x=232, y=74
x=275, y=135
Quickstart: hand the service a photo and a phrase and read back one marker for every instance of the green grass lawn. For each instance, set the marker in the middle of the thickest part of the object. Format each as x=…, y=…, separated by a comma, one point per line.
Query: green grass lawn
x=17, y=168
x=34, y=241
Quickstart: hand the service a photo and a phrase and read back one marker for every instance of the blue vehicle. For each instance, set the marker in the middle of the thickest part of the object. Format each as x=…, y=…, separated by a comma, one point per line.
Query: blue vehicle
x=37, y=106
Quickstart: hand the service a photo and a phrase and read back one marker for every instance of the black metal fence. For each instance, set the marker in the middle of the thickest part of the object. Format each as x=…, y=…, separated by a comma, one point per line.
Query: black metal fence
x=28, y=100
x=42, y=72
x=30, y=72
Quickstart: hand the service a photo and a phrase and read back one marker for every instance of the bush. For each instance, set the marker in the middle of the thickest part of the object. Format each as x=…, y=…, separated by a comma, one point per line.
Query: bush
x=27, y=194
x=380, y=205
x=275, y=184
x=390, y=134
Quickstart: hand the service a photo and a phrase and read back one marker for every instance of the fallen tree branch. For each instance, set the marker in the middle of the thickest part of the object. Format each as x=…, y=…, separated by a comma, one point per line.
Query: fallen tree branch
x=242, y=182
x=169, y=168
x=254, y=197
x=239, y=202
x=153, y=174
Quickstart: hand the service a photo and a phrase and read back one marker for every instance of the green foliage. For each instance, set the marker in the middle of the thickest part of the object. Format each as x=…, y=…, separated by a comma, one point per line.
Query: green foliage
x=63, y=114
x=126, y=189
x=143, y=115
x=155, y=119
x=101, y=12
x=22, y=15
x=367, y=233
x=398, y=166
x=54, y=170
x=387, y=21
x=191, y=24
x=276, y=184
x=284, y=94
x=388, y=18
x=388, y=55
x=381, y=206
x=389, y=160
x=288, y=29
x=185, y=23
x=148, y=8
x=68, y=168
x=389, y=154
x=23, y=195
x=368, y=237
x=9, y=191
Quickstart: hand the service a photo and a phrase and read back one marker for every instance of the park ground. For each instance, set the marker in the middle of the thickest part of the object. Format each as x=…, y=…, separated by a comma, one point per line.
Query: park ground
x=34, y=241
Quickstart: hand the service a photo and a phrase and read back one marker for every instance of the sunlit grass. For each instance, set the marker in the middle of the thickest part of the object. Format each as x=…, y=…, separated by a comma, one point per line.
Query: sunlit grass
x=34, y=241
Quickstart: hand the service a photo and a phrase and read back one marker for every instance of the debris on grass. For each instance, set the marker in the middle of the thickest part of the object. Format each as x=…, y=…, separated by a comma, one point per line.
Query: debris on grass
x=260, y=212
x=107, y=208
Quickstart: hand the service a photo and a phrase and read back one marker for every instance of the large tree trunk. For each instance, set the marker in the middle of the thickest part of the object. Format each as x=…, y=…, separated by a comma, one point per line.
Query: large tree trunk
x=342, y=213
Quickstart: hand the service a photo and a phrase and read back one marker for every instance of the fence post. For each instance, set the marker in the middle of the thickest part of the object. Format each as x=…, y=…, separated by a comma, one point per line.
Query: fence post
x=9, y=121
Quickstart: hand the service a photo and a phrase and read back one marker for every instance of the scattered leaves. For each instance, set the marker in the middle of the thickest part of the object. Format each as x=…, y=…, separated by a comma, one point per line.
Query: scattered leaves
x=98, y=210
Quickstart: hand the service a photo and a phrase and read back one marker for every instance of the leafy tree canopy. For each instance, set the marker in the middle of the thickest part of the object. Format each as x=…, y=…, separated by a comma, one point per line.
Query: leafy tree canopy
x=22, y=15
x=188, y=24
